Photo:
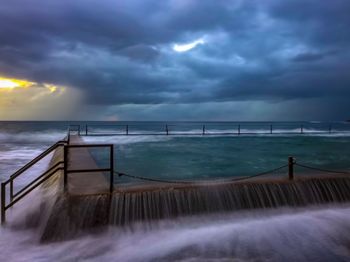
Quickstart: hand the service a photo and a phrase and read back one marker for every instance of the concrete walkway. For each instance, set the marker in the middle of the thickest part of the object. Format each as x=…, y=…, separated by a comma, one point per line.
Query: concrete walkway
x=85, y=183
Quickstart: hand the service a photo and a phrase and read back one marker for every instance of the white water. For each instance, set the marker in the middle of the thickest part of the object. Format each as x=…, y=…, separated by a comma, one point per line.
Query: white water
x=308, y=234
x=313, y=234
x=47, y=136
x=124, y=140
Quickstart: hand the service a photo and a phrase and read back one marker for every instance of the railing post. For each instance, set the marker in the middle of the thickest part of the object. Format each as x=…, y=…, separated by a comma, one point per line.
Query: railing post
x=79, y=130
x=301, y=129
x=270, y=129
x=239, y=129
x=127, y=129
x=65, y=168
x=203, y=132
x=290, y=168
x=86, y=130
x=166, y=129
x=3, y=203
x=11, y=190
x=111, y=186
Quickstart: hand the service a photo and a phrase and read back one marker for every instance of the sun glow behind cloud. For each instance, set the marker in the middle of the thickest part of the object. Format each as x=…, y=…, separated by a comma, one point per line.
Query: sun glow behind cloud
x=23, y=99
x=186, y=47
x=10, y=83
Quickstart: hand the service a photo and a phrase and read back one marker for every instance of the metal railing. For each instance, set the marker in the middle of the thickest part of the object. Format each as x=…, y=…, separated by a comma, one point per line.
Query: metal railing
x=110, y=169
x=15, y=197
x=206, y=128
x=74, y=128
x=62, y=165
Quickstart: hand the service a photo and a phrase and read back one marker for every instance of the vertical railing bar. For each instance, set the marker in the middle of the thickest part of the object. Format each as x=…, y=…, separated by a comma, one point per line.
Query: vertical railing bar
x=111, y=186
x=203, y=132
x=3, y=203
x=11, y=190
x=127, y=129
x=239, y=129
x=291, y=168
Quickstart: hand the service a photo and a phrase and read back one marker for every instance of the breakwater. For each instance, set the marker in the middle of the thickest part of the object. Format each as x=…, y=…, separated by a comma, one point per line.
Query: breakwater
x=73, y=215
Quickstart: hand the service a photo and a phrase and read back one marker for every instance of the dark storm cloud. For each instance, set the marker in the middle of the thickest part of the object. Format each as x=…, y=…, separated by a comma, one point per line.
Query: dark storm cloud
x=120, y=52
x=325, y=23
x=307, y=57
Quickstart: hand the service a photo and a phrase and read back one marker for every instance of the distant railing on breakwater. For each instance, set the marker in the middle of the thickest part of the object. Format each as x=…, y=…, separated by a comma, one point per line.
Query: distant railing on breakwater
x=207, y=128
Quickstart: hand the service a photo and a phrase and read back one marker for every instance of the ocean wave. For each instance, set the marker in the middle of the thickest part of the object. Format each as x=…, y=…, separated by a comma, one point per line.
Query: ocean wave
x=14, y=157
x=20, y=154
x=47, y=136
x=316, y=233
x=121, y=140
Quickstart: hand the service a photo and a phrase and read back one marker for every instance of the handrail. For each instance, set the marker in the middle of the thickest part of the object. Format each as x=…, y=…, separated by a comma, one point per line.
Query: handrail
x=88, y=170
x=14, y=201
x=38, y=178
x=60, y=165
x=78, y=128
x=36, y=159
x=14, y=197
x=68, y=135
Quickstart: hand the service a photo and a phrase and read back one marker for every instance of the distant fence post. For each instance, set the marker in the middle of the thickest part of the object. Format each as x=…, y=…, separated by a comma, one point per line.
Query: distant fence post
x=301, y=129
x=166, y=129
x=111, y=185
x=86, y=130
x=239, y=129
x=3, y=203
x=203, y=132
x=65, y=168
x=291, y=168
x=270, y=129
x=127, y=129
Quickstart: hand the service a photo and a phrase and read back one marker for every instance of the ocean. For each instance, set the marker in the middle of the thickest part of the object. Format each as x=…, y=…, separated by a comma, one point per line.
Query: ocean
x=226, y=149
x=185, y=153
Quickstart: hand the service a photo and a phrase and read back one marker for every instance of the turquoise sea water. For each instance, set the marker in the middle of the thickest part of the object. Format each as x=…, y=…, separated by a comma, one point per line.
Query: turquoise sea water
x=185, y=153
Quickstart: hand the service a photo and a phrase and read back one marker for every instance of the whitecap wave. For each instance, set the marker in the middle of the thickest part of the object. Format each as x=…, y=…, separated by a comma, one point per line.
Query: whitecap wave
x=45, y=137
x=317, y=234
x=121, y=140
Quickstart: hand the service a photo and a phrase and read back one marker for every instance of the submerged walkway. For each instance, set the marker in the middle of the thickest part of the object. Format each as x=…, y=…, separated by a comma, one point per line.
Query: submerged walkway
x=84, y=183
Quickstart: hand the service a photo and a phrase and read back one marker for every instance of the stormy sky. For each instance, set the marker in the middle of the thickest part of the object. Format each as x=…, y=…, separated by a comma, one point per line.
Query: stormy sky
x=178, y=59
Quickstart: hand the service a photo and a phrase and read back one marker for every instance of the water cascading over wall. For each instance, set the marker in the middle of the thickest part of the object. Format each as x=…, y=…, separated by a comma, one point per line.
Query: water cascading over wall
x=72, y=215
